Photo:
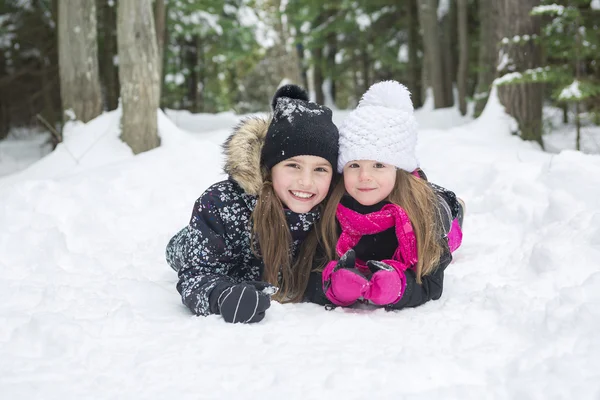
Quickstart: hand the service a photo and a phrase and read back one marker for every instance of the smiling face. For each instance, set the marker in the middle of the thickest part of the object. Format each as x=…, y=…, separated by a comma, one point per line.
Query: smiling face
x=368, y=181
x=302, y=182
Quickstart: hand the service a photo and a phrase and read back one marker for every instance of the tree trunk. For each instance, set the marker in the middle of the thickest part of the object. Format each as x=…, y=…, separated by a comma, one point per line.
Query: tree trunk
x=193, y=66
x=577, y=127
x=287, y=62
x=78, y=59
x=4, y=115
x=4, y=120
x=138, y=73
x=488, y=53
x=522, y=101
x=331, y=66
x=565, y=110
x=414, y=66
x=160, y=22
x=356, y=84
x=318, y=75
x=48, y=112
x=366, y=65
x=202, y=75
x=110, y=71
x=302, y=65
x=431, y=44
x=578, y=68
x=447, y=37
x=463, y=64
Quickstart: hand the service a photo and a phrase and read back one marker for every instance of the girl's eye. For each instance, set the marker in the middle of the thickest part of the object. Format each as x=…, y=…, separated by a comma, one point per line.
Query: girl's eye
x=293, y=165
x=321, y=169
x=379, y=165
x=353, y=165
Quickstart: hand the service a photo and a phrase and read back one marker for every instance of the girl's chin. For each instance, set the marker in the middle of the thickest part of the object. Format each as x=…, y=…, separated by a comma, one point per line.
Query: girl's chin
x=367, y=200
x=301, y=209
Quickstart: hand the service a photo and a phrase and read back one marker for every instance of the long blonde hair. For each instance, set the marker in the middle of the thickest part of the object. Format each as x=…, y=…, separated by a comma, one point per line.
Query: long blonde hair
x=271, y=231
x=419, y=201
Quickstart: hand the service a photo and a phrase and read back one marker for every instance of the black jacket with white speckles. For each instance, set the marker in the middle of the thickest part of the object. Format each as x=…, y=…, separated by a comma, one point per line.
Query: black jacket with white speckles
x=214, y=248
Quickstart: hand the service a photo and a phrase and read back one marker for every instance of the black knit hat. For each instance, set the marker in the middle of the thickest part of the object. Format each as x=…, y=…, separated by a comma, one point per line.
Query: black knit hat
x=299, y=128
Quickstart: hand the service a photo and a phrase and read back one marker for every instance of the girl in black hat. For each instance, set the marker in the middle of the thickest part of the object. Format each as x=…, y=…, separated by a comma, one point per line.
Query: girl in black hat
x=246, y=233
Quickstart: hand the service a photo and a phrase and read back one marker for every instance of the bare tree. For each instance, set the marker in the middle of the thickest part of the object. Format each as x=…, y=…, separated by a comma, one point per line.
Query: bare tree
x=488, y=53
x=109, y=71
x=4, y=114
x=463, y=63
x=138, y=73
x=286, y=59
x=78, y=59
x=519, y=53
x=302, y=65
x=433, y=52
x=318, y=79
x=332, y=73
x=160, y=22
x=448, y=46
x=414, y=69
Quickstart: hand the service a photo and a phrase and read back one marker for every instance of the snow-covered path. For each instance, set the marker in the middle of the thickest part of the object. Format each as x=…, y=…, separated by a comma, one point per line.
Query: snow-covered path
x=88, y=306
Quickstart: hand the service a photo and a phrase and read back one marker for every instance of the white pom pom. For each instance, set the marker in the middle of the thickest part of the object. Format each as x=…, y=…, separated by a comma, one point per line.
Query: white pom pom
x=389, y=94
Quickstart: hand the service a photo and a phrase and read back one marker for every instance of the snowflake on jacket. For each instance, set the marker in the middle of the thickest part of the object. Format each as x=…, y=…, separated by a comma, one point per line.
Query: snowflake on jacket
x=215, y=246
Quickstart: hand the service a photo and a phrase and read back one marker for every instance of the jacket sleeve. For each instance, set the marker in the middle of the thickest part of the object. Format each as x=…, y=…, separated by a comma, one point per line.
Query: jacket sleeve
x=431, y=286
x=449, y=206
x=314, y=291
x=202, y=255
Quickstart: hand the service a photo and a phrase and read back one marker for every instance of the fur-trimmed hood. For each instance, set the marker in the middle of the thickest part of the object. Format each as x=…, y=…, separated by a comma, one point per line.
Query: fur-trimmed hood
x=242, y=151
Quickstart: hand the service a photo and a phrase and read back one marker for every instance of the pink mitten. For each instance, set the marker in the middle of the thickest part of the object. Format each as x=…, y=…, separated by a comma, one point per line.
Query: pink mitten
x=387, y=283
x=343, y=284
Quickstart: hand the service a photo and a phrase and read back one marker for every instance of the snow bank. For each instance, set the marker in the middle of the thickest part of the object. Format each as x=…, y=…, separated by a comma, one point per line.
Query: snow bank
x=88, y=306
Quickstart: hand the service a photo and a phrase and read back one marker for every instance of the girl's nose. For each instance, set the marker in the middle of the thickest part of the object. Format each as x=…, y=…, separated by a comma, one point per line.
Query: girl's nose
x=304, y=179
x=363, y=175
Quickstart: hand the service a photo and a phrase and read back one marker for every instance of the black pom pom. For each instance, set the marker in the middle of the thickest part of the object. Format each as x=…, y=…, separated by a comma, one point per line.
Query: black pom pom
x=291, y=91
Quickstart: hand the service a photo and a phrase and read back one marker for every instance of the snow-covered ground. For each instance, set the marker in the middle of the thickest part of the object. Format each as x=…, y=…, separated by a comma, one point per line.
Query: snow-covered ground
x=22, y=148
x=88, y=306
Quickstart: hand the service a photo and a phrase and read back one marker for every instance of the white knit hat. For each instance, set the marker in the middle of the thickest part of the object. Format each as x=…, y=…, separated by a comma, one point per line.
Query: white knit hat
x=381, y=128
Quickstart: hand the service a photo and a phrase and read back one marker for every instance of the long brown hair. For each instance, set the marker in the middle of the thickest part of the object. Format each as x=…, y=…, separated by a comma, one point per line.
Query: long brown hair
x=271, y=231
x=420, y=203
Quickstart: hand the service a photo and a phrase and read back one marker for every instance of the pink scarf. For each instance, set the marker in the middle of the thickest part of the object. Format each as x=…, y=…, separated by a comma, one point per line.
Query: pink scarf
x=355, y=225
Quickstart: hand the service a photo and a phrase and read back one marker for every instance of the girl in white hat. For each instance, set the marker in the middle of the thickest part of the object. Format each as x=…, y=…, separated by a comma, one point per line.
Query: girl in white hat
x=387, y=234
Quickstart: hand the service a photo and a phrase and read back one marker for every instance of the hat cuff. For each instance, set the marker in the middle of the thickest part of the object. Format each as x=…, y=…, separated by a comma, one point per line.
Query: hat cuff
x=408, y=164
x=327, y=152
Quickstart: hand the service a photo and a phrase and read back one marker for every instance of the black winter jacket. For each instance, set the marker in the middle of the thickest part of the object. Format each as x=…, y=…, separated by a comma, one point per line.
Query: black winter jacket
x=214, y=248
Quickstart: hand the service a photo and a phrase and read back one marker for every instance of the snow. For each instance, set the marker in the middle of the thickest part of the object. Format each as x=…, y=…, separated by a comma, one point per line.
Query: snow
x=363, y=21
x=229, y=9
x=504, y=61
x=443, y=9
x=21, y=149
x=560, y=136
x=548, y=9
x=260, y=20
x=88, y=306
x=571, y=92
x=289, y=109
x=246, y=16
x=200, y=18
x=177, y=78
x=403, y=53
x=507, y=78
x=305, y=27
